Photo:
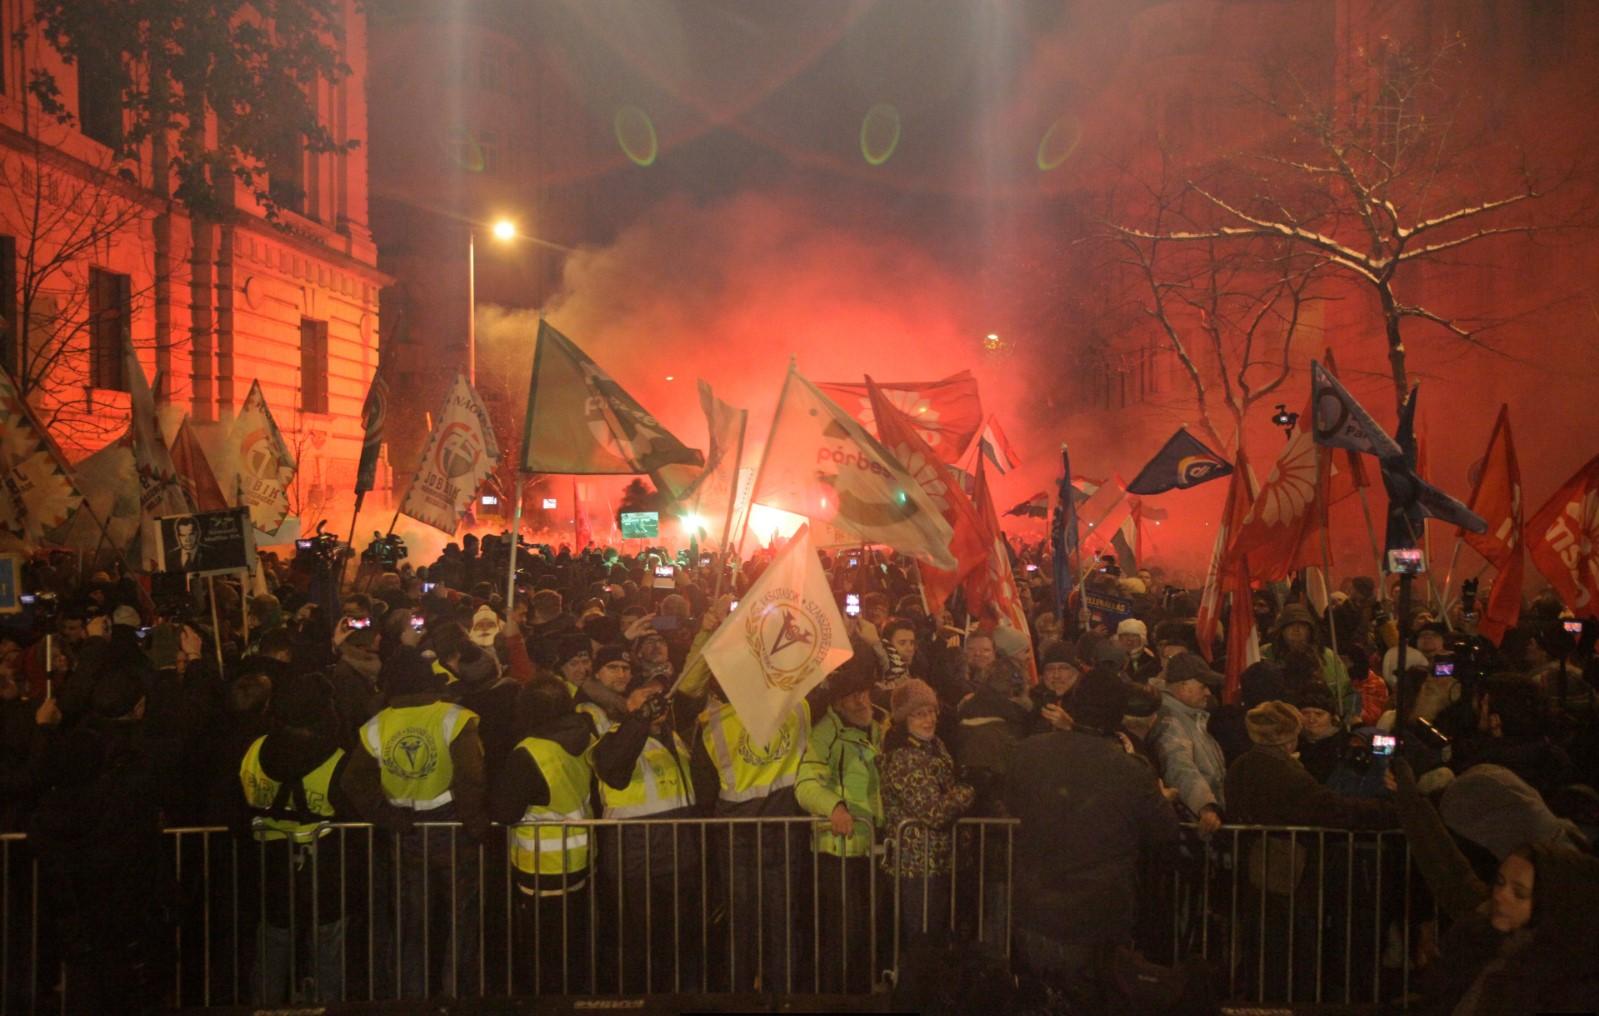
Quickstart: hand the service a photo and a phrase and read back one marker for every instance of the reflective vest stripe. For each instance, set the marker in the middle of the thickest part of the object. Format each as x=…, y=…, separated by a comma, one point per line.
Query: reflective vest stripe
x=739, y=779
x=452, y=717
x=644, y=796
x=545, y=848
x=412, y=746
x=261, y=791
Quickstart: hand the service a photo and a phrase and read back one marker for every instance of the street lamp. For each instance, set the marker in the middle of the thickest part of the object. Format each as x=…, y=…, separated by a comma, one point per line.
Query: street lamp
x=503, y=230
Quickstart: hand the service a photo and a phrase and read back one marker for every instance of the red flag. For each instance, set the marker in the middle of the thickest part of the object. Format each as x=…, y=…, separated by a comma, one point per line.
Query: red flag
x=946, y=413
x=1497, y=498
x=194, y=472
x=1283, y=530
x=996, y=585
x=1563, y=539
x=582, y=536
x=1347, y=474
x=900, y=435
x=1217, y=575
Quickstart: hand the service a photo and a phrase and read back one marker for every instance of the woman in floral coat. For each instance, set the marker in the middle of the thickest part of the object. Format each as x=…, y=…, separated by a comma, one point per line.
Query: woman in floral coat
x=918, y=783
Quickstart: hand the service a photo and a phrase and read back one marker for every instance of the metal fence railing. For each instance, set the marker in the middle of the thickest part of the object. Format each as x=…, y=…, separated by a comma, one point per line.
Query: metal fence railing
x=1296, y=914
x=359, y=913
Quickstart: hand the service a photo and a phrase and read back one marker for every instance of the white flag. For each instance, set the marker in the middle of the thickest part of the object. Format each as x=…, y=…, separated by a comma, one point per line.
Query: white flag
x=461, y=452
x=161, y=493
x=263, y=463
x=784, y=638
x=821, y=464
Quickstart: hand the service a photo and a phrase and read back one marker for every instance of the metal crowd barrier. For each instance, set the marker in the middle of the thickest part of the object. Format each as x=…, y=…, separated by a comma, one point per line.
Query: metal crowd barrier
x=1296, y=914
x=701, y=906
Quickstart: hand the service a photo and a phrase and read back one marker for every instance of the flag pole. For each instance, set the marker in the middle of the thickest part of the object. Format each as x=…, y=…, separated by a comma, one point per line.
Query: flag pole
x=1326, y=557
x=760, y=470
x=216, y=624
x=1449, y=576
x=732, y=502
x=1371, y=532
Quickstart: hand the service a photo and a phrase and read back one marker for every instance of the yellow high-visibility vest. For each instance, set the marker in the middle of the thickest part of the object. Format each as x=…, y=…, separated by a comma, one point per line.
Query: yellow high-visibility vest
x=549, y=850
x=748, y=771
x=412, y=746
x=660, y=782
x=261, y=790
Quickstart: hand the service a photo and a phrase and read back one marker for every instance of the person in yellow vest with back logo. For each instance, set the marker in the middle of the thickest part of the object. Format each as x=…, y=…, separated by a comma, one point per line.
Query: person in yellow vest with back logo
x=838, y=783
x=548, y=779
x=422, y=765
x=645, y=776
x=290, y=781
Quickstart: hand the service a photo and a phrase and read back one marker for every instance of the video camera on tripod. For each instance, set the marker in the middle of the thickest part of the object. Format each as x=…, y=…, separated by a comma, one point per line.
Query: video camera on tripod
x=384, y=552
x=320, y=548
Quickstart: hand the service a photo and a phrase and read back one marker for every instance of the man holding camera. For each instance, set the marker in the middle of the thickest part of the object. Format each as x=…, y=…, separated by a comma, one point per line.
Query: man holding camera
x=644, y=771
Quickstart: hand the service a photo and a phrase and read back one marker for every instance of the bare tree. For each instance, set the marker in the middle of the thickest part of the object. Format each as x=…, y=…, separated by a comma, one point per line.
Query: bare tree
x=1372, y=181
x=66, y=215
x=1229, y=311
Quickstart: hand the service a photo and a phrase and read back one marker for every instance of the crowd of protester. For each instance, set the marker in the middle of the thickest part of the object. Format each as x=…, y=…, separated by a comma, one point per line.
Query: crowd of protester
x=412, y=700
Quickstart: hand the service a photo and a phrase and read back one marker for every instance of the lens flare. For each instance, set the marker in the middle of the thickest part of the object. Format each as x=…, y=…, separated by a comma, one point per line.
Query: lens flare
x=879, y=133
x=769, y=523
x=1059, y=142
x=636, y=134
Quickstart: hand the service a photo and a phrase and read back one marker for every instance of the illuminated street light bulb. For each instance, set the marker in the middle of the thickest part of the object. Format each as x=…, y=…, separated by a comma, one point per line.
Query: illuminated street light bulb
x=504, y=230
x=694, y=523
x=991, y=341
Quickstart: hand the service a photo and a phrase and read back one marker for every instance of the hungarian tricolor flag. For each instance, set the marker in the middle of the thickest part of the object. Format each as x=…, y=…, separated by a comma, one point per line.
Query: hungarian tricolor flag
x=969, y=544
x=581, y=421
x=1035, y=507
x=996, y=447
x=1497, y=498
x=1563, y=539
x=946, y=413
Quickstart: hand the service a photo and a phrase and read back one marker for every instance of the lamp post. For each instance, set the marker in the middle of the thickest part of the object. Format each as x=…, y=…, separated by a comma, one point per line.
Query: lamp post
x=503, y=230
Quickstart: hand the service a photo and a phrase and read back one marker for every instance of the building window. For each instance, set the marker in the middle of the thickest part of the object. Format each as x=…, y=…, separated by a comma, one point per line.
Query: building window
x=286, y=174
x=110, y=328
x=9, y=332
x=488, y=143
x=313, y=366
x=100, y=98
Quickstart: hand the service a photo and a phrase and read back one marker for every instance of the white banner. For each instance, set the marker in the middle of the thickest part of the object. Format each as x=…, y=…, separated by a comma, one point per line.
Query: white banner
x=460, y=454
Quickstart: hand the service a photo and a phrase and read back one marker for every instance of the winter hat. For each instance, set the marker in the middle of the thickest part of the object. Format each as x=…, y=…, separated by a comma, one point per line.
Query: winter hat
x=857, y=674
x=1108, y=652
x=485, y=626
x=1273, y=724
x=1059, y=652
x=911, y=695
x=1494, y=808
x=1009, y=641
x=1315, y=696
x=1133, y=626
x=301, y=699
x=1294, y=613
x=409, y=672
x=1191, y=667
x=1099, y=701
x=603, y=628
x=611, y=654
x=569, y=648
x=1260, y=682
x=127, y=617
x=1177, y=633
x=1141, y=701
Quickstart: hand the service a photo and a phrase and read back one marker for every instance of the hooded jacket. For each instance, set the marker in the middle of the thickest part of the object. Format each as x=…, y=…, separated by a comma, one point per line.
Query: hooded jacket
x=1191, y=761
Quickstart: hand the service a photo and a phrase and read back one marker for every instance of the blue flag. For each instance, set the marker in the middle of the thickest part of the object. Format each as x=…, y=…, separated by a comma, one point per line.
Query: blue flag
x=1412, y=500
x=1063, y=536
x=1182, y=462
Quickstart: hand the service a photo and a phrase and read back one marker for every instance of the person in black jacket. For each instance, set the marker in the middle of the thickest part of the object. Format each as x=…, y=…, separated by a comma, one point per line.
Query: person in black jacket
x=99, y=840
x=552, y=907
x=1087, y=810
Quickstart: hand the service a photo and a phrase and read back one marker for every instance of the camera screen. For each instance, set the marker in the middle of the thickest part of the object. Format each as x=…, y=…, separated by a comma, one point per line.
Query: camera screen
x=418, y=621
x=852, y=604
x=664, y=571
x=304, y=544
x=427, y=587
x=1406, y=562
x=1443, y=669
x=358, y=622
x=1383, y=744
x=1573, y=627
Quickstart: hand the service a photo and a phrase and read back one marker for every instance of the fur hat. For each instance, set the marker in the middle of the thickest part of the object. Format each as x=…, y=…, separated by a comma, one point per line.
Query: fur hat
x=1099, y=701
x=1273, y=724
x=1191, y=667
x=911, y=695
x=856, y=674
